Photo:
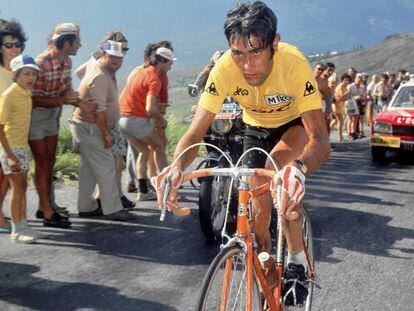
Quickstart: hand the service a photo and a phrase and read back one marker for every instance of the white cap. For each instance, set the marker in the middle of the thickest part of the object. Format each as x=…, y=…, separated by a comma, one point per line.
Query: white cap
x=23, y=61
x=65, y=29
x=113, y=48
x=166, y=53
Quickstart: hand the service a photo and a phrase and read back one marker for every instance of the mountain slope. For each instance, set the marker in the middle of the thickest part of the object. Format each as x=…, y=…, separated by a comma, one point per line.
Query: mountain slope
x=393, y=53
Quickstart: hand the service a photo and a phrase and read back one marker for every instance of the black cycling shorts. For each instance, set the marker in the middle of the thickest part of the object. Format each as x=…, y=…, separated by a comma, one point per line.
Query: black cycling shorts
x=265, y=138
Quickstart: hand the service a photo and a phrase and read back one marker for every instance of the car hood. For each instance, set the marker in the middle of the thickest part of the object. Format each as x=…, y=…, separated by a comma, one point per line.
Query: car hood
x=397, y=117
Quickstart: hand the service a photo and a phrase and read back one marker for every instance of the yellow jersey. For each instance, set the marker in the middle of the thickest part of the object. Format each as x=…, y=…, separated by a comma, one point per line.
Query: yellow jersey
x=289, y=90
x=15, y=115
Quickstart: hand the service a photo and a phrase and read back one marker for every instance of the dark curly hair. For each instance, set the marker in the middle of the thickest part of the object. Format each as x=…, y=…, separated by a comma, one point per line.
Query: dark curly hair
x=11, y=28
x=251, y=19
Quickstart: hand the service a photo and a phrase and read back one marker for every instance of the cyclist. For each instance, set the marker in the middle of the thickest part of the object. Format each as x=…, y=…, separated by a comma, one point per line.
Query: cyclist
x=274, y=85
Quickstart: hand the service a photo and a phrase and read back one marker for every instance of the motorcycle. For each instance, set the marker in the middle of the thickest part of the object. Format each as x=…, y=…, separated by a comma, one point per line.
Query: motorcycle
x=226, y=133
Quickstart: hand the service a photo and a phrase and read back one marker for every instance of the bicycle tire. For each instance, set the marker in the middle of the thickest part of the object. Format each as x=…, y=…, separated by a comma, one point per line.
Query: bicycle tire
x=308, y=238
x=212, y=287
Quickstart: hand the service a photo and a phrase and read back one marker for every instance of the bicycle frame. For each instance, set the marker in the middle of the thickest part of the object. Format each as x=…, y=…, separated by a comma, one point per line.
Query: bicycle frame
x=246, y=239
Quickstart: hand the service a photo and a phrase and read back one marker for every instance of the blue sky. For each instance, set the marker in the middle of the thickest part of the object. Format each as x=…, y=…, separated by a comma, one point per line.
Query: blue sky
x=195, y=26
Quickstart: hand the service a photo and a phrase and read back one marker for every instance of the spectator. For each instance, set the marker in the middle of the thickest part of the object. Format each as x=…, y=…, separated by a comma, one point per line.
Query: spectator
x=113, y=35
x=352, y=73
x=326, y=75
x=341, y=96
x=140, y=113
x=92, y=131
x=400, y=78
x=391, y=80
x=358, y=93
x=322, y=83
x=132, y=153
x=383, y=93
x=15, y=108
x=118, y=149
x=371, y=99
x=52, y=90
x=163, y=104
x=12, y=39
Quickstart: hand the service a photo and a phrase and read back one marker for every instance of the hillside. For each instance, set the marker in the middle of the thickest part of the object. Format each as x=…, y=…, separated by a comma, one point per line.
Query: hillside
x=393, y=53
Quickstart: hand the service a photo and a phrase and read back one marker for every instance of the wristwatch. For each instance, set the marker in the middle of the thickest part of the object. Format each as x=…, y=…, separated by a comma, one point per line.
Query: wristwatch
x=303, y=168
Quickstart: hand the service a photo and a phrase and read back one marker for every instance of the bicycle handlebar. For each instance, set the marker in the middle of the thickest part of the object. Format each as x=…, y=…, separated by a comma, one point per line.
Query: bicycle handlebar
x=233, y=172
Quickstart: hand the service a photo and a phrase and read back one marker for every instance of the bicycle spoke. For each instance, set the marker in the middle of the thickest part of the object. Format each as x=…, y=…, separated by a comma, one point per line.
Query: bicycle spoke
x=224, y=287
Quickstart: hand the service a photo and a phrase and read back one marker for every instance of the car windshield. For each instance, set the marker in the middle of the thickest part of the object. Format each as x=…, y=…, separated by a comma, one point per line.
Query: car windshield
x=404, y=98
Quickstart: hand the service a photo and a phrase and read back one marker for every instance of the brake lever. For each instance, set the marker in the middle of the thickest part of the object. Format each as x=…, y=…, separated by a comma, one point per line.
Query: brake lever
x=167, y=188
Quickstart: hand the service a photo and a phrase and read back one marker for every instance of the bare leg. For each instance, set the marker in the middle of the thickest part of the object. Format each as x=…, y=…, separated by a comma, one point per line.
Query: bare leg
x=17, y=201
x=44, y=152
x=152, y=168
x=4, y=186
x=340, y=125
x=285, y=151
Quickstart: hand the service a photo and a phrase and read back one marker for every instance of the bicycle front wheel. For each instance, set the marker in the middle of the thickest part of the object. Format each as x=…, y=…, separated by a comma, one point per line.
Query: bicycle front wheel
x=224, y=286
x=308, y=240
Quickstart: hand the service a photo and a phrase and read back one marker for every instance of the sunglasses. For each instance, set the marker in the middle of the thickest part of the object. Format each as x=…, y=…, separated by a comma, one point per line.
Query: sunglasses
x=9, y=45
x=320, y=69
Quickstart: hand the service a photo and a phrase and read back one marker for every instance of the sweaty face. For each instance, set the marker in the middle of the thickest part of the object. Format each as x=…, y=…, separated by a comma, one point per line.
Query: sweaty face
x=27, y=78
x=255, y=62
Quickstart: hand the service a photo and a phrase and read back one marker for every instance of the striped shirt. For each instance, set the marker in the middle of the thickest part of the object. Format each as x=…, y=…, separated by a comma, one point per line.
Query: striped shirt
x=54, y=79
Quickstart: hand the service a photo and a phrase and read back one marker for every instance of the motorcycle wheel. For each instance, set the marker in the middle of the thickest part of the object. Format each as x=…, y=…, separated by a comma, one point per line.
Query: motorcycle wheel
x=212, y=207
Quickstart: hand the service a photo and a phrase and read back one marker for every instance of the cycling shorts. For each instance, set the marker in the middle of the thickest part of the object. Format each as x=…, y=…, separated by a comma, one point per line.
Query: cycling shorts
x=265, y=138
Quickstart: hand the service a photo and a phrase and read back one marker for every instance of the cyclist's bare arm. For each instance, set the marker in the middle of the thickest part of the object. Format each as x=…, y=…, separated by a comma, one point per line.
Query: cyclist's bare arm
x=314, y=154
x=318, y=148
x=194, y=134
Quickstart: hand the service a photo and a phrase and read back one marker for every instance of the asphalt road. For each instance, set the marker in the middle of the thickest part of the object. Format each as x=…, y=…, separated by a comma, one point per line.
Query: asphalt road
x=363, y=222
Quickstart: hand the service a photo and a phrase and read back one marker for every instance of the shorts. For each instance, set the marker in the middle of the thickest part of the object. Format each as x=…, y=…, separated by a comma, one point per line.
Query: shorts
x=352, y=112
x=44, y=123
x=265, y=138
x=135, y=126
x=23, y=156
x=361, y=109
x=118, y=149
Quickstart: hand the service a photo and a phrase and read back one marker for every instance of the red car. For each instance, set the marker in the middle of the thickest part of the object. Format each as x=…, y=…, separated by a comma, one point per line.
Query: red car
x=393, y=129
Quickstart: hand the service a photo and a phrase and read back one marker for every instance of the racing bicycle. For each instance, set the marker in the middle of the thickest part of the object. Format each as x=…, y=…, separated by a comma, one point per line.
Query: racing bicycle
x=235, y=279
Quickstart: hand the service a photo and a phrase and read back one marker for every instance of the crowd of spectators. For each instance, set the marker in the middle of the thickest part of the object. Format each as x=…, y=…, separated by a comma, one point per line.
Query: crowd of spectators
x=33, y=93
x=354, y=99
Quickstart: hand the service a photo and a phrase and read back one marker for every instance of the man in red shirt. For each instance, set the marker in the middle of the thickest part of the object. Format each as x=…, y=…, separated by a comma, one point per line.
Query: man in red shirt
x=141, y=113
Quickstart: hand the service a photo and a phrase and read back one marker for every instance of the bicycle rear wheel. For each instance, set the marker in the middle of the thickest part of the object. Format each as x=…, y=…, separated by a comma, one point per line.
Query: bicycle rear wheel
x=224, y=286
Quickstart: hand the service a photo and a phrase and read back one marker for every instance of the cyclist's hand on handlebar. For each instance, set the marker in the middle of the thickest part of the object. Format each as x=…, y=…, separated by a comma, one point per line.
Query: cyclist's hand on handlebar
x=174, y=176
x=293, y=186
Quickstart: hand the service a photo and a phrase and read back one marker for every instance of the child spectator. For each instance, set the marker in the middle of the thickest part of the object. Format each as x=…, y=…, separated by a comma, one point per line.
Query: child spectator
x=15, y=114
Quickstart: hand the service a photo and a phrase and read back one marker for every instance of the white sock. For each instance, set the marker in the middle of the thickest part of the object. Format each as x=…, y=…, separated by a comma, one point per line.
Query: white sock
x=298, y=258
x=17, y=227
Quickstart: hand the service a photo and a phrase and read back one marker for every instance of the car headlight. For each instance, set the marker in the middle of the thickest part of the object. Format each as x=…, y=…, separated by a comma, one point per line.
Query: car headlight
x=382, y=127
x=221, y=126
